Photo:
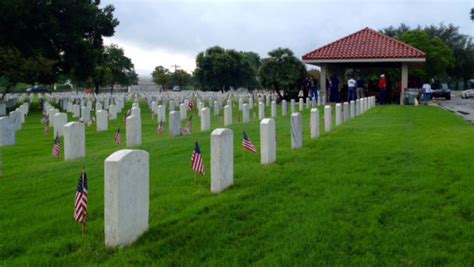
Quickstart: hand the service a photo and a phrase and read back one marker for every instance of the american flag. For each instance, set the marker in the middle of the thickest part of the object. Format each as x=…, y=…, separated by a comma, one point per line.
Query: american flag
x=80, y=207
x=247, y=144
x=190, y=105
x=45, y=120
x=56, y=147
x=159, y=130
x=187, y=130
x=118, y=137
x=196, y=160
x=46, y=130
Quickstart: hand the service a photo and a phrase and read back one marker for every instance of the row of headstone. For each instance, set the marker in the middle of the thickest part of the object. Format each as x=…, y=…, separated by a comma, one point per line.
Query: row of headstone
x=12, y=123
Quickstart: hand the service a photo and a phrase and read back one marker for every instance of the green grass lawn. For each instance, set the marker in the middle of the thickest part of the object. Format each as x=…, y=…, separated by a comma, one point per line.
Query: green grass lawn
x=394, y=186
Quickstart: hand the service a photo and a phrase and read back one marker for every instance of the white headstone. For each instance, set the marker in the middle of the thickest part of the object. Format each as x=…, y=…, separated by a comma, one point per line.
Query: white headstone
x=245, y=113
x=222, y=159
x=59, y=120
x=296, y=131
x=174, y=124
x=51, y=113
x=327, y=118
x=113, y=112
x=338, y=114
x=352, y=109
x=357, y=107
x=267, y=141
x=346, y=111
x=7, y=132
x=126, y=196
x=76, y=111
x=261, y=110
x=161, y=111
x=216, y=108
x=172, y=105
x=134, y=131
x=284, y=107
x=301, y=106
x=292, y=106
x=314, y=123
x=227, y=115
x=205, y=119
x=74, y=141
x=102, y=120
x=183, y=111
x=85, y=114
x=273, y=109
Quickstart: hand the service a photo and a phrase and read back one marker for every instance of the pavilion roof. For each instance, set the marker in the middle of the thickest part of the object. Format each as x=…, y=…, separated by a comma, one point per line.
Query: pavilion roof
x=365, y=45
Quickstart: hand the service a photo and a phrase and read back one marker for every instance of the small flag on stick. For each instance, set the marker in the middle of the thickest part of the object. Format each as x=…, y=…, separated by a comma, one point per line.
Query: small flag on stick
x=46, y=130
x=187, y=130
x=56, y=147
x=190, y=105
x=118, y=137
x=247, y=144
x=196, y=159
x=159, y=130
x=80, y=207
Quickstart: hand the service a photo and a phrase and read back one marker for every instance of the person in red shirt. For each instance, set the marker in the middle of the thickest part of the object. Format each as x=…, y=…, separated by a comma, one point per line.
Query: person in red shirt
x=382, y=85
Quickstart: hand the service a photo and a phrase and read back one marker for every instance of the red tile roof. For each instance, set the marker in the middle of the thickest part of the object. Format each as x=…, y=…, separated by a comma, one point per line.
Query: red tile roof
x=365, y=44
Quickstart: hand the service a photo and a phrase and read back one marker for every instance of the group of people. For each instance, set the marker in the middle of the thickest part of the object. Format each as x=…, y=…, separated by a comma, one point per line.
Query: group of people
x=310, y=88
x=355, y=89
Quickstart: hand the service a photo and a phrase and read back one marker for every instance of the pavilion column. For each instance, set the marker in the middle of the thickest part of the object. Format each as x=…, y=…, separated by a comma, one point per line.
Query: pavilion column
x=322, y=82
x=404, y=81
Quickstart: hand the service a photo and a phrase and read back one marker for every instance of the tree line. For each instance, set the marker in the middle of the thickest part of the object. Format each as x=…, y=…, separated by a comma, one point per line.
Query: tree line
x=53, y=41
x=449, y=54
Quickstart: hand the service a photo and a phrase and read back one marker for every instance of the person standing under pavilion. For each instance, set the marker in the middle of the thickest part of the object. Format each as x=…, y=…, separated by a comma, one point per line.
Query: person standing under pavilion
x=382, y=85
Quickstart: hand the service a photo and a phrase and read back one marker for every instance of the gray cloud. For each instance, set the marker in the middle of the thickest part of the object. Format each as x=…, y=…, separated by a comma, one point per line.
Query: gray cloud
x=188, y=27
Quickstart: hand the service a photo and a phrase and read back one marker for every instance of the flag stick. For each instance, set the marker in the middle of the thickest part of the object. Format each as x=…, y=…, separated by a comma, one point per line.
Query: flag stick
x=82, y=229
x=195, y=177
x=243, y=154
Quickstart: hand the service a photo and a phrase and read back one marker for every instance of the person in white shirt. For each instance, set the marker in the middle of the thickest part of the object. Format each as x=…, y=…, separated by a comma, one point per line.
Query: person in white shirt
x=351, y=89
x=426, y=92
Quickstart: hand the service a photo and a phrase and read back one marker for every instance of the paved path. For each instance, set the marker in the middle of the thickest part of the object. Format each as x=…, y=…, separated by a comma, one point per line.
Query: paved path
x=462, y=107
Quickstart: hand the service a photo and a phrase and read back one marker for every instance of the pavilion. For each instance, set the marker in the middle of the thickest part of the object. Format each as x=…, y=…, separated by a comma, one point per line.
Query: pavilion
x=366, y=48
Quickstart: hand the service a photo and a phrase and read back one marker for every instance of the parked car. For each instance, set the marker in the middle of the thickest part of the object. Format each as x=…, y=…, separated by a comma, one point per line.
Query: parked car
x=467, y=93
x=176, y=88
x=441, y=91
x=38, y=89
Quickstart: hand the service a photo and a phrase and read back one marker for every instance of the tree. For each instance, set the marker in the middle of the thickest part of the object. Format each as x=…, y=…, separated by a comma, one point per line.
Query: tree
x=121, y=67
x=253, y=59
x=15, y=68
x=472, y=13
x=460, y=44
x=315, y=74
x=180, y=78
x=161, y=76
x=113, y=67
x=52, y=38
x=220, y=69
x=439, y=57
x=282, y=71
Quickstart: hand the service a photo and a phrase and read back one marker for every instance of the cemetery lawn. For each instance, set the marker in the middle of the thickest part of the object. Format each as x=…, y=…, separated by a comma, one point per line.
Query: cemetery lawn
x=394, y=186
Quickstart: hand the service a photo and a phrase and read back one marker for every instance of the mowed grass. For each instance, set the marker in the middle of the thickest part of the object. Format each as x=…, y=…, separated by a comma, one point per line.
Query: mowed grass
x=394, y=186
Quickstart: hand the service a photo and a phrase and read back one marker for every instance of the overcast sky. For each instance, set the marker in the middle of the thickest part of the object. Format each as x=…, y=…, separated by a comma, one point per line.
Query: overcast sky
x=165, y=33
